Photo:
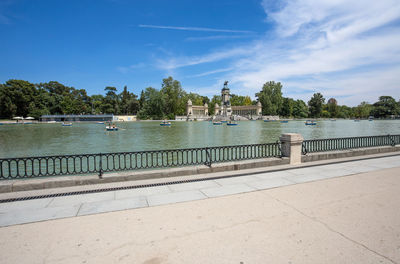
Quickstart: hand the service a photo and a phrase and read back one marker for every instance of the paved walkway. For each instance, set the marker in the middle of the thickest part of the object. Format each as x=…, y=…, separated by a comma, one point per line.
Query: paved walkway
x=70, y=206
x=323, y=219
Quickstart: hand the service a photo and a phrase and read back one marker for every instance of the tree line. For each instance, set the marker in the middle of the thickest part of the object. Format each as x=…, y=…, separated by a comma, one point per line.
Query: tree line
x=22, y=98
x=275, y=104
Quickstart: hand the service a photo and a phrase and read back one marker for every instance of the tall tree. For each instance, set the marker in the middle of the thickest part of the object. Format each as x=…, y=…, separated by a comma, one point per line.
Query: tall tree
x=385, y=107
x=216, y=99
x=300, y=109
x=15, y=98
x=153, y=105
x=110, y=102
x=363, y=110
x=287, y=107
x=316, y=102
x=174, y=97
x=271, y=98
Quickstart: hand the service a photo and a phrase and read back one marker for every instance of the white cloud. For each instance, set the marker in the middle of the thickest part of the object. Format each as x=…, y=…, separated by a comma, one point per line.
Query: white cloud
x=126, y=69
x=342, y=48
x=210, y=72
x=196, y=29
x=179, y=62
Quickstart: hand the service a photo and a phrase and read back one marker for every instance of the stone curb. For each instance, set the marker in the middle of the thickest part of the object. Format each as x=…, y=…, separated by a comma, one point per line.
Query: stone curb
x=68, y=181
x=347, y=153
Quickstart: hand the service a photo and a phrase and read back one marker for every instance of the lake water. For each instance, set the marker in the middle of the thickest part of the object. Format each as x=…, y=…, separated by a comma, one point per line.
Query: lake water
x=53, y=139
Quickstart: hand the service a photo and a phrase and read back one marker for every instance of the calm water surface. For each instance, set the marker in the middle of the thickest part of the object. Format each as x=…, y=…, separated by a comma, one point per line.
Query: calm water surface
x=53, y=139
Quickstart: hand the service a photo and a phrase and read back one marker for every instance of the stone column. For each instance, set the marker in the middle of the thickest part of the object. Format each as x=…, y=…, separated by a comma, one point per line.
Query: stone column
x=291, y=147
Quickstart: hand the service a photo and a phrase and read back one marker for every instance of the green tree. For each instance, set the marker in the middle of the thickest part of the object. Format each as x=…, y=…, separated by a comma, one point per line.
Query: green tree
x=300, y=109
x=271, y=98
x=15, y=98
x=216, y=99
x=247, y=100
x=153, y=105
x=316, y=102
x=174, y=97
x=96, y=101
x=128, y=103
x=287, y=107
x=110, y=104
x=363, y=110
x=56, y=92
x=141, y=100
x=345, y=112
x=385, y=107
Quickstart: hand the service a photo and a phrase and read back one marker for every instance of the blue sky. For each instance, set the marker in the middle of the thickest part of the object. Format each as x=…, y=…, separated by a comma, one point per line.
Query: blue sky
x=345, y=49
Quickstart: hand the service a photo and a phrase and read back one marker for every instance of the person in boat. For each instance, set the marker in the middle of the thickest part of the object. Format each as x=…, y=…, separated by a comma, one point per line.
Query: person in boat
x=113, y=126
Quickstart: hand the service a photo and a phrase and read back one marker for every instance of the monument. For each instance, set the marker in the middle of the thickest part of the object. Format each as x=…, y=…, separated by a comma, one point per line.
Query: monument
x=227, y=111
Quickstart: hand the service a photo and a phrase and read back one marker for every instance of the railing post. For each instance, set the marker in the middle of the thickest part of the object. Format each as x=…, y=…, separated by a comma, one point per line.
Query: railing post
x=392, y=142
x=291, y=147
x=208, y=157
x=101, y=167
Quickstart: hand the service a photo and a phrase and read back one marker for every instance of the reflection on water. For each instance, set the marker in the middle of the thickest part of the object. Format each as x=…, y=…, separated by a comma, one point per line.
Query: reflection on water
x=53, y=139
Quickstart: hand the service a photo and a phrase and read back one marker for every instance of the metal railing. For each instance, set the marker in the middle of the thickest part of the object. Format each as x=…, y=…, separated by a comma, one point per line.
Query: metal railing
x=31, y=167
x=332, y=144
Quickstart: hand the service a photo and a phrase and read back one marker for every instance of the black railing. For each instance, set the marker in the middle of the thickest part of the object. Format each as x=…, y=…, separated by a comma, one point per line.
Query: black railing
x=332, y=144
x=30, y=167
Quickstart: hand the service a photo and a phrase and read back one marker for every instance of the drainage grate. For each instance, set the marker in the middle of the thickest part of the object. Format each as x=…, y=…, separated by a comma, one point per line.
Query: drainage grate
x=175, y=182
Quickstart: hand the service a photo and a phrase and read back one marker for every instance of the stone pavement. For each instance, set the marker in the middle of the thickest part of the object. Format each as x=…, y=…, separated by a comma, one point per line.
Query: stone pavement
x=85, y=204
x=322, y=219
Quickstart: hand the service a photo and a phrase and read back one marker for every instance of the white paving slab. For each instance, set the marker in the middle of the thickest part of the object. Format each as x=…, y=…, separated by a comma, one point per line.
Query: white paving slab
x=35, y=215
x=193, y=186
x=275, y=174
x=141, y=192
x=237, y=179
x=82, y=198
x=22, y=205
x=306, y=171
x=113, y=205
x=175, y=197
x=307, y=178
x=360, y=168
x=227, y=190
x=270, y=183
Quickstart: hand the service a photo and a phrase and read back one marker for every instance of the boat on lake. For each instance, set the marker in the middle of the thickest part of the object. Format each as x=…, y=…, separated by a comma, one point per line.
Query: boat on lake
x=100, y=122
x=111, y=128
x=66, y=124
x=284, y=121
x=165, y=123
x=217, y=123
x=310, y=123
x=230, y=123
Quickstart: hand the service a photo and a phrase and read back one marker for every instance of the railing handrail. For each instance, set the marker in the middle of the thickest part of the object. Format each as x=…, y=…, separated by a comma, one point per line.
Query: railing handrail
x=321, y=145
x=323, y=139
x=52, y=165
x=136, y=152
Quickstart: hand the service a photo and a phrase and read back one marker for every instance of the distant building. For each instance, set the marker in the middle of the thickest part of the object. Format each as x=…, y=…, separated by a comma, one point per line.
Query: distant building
x=62, y=118
x=332, y=101
x=125, y=118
